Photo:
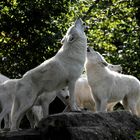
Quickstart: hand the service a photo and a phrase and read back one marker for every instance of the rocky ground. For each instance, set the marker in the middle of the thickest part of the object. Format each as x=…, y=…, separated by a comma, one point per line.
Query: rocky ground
x=117, y=125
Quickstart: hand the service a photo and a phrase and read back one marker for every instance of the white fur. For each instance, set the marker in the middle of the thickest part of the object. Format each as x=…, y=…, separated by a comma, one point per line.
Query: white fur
x=84, y=97
x=7, y=90
x=83, y=92
x=41, y=107
x=61, y=70
x=42, y=104
x=108, y=86
x=34, y=115
x=3, y=78
x=138, y=108
x=116, y=68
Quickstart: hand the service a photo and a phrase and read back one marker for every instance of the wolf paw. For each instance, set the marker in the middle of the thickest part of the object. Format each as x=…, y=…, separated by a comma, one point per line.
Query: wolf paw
x=75, y=109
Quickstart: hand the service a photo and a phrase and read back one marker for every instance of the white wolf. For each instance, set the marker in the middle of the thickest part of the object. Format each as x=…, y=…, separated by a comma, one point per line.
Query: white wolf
x=3, y=78
x=7, y=91
x=83, y=93
x=6, y=98
x=41, y=107
x=60, y=71
x=108, y=86
x=36, y=113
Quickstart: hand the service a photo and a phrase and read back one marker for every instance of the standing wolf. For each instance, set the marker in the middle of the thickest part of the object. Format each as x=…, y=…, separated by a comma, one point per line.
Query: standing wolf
x=109, y=86
x=61, y=70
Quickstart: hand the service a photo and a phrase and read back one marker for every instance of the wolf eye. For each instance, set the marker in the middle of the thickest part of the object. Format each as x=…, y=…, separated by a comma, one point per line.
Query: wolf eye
x=84, y=23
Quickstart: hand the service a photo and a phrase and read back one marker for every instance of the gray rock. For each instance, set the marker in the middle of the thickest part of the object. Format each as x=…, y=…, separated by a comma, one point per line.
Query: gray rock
x=29, y=134
x=118, y=125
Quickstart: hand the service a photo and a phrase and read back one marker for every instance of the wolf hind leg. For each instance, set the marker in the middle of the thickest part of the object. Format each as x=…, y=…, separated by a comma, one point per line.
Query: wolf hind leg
x=19, y=108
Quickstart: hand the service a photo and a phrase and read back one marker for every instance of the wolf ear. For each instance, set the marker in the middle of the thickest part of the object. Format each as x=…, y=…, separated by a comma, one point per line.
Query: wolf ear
x=78, y=21
x=70, y=38
x=63, y=40
x=104, y=64
x=101, y=59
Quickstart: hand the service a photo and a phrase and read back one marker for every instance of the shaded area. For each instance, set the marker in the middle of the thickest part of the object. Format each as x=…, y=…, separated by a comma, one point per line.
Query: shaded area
x=118, y=125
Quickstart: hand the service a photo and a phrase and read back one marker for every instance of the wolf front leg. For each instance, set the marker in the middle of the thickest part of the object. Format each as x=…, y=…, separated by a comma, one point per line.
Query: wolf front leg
x=2, y=115
x=30, y=116
x=72, y=101
x=45, y=109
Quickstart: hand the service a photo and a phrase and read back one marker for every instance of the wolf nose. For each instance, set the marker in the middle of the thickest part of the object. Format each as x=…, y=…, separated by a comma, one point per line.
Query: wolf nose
x=67, y=97
x=88, y=50
x=86, y=28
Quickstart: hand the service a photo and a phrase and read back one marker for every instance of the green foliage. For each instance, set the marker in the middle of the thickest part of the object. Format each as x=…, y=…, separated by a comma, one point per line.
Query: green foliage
x=114, y=31
x=31, y=31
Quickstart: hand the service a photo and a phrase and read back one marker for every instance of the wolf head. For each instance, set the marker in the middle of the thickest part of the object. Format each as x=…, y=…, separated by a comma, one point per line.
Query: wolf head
x=95, y=57
x=76, y=31
x=64, y=93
